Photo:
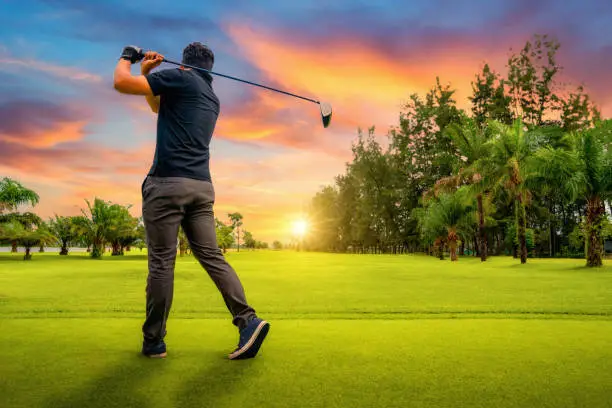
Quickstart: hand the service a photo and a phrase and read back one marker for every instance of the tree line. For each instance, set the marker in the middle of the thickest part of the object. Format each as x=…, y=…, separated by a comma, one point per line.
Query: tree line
x=103, y=225
x=527, y=171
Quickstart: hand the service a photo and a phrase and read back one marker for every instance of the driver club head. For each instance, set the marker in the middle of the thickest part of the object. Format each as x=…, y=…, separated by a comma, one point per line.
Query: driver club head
x=326, y=113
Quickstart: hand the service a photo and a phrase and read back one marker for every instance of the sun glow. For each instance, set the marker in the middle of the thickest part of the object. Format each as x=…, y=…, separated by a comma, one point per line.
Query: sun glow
x=300, y=227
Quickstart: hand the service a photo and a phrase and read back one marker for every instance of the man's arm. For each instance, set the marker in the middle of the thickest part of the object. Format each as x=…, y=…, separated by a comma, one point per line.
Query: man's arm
x=153, y=102
x=125, y=83
x=147, y=84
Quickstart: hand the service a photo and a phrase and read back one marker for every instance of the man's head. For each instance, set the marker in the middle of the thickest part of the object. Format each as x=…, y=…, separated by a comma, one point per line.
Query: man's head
x=199, y=55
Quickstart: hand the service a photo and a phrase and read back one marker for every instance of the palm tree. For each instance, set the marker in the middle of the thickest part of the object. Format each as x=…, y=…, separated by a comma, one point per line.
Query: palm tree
x=511, y=149
x=83, y=228
x=50, y=237
x=28, y=220
x=470, y=142
x=14, y=194
x=99, y=222
x=585, y=172
x=449, y=217
x=121, y=230
x=66, y=229
x=9, y=229
x=12, y=230
x=27, y=230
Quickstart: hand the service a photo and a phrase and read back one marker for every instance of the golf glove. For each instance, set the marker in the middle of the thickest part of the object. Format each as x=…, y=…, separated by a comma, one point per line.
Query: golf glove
x=132, y=54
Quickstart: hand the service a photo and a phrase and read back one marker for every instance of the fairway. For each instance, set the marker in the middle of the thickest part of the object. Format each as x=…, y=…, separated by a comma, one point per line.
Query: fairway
x=347, y=331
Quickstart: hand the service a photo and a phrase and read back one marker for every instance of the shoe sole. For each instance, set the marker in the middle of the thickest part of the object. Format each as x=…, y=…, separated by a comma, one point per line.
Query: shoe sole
x=162, y=355
x=251, y=349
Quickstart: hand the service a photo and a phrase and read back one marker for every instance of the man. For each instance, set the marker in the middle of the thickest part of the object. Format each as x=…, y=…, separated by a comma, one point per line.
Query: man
x=178, y=190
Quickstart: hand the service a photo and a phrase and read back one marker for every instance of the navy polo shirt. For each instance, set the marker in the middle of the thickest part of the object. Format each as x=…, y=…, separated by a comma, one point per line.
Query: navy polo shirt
x=186, y=120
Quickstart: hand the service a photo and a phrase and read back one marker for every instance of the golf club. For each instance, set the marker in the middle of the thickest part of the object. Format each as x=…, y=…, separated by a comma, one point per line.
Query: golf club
x=326, y=109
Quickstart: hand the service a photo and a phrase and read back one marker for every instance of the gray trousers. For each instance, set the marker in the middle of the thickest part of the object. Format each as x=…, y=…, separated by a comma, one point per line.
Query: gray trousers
x=168, y=202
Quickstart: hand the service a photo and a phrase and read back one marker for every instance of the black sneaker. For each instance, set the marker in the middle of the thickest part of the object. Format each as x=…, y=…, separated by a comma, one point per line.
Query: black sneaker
x=251, y=338
x=154, y=351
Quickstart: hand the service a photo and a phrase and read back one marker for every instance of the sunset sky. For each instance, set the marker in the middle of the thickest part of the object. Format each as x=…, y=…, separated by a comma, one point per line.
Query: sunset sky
x=66, y=133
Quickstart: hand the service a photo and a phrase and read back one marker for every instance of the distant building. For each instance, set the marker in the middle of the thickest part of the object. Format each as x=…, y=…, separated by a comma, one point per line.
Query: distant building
x=608, y=246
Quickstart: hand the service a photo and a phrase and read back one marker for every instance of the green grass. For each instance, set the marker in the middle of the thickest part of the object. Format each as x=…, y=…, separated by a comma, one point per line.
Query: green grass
x=347, y=331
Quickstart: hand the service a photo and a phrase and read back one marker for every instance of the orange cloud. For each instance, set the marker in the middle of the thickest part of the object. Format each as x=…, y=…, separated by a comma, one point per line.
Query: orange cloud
x=365, y=85
x=60, y=132
x=246, y=128
x=41, y=124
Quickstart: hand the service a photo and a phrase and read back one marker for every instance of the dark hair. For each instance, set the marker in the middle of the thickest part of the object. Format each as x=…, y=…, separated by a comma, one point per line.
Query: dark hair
x=199, y=55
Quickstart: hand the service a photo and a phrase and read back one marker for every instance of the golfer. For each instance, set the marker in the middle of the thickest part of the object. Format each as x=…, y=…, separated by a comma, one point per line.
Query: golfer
x=178, y=190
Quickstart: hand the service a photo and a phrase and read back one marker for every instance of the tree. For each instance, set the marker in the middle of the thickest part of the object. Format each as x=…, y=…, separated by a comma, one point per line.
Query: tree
x=183, y=242
x=585, y=171
x=277, y=245
x=325, y=219
x=236, y=219
x=29, y=238
x=419, y=144
x=448, y=217
x=470, y=140
x=225, y=235
x=348, y=204
x=109, y=223
x=531, y=80
x=420, y=153
x=28, y=220
x=377, y=181
x=121, y=228
x=489, y=99
x=10, y=230
x=141, y=234
x=103, y=220
x=52, y=239
x=27, y=230
x=83, y=227
x=578, y=112
x=507, y=164
x=14, y=194
x=46, y=236
x=249, y=241
x=66, y=229
x=492, y=153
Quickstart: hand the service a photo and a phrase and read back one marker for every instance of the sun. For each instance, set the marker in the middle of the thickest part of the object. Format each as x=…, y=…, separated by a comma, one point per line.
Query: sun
x=300, y=227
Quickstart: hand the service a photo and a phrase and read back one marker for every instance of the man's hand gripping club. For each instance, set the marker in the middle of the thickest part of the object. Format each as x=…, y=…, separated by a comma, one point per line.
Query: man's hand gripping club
x=126, y=83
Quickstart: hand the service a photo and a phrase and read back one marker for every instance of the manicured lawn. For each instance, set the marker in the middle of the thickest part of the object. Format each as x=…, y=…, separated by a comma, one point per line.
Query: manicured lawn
x=347, y=331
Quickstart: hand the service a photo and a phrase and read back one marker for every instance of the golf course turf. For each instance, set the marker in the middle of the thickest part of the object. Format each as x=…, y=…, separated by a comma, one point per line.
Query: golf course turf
x=346, y=331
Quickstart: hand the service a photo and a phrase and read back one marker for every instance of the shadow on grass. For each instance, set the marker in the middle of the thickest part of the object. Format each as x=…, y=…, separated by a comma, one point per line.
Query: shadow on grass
x=557, y=267
x=10, y=258
x=137, y=380
x=113, y=389
x=219, y=378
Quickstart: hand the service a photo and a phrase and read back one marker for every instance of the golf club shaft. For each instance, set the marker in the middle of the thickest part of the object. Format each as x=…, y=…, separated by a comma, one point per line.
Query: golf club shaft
x=241, y=80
